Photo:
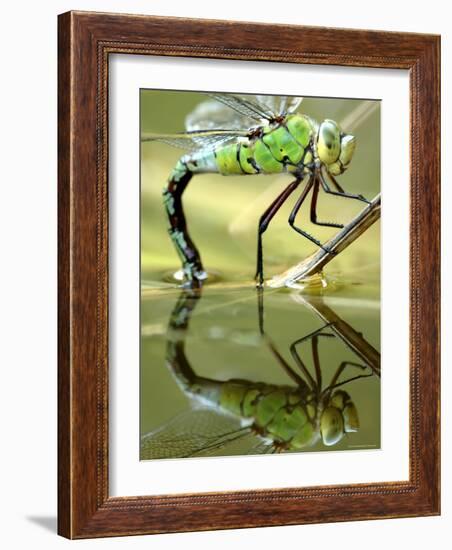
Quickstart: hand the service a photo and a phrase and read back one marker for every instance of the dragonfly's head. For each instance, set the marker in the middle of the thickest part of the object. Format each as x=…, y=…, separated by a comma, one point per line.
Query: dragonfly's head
x=334, y=148
x=338, y=418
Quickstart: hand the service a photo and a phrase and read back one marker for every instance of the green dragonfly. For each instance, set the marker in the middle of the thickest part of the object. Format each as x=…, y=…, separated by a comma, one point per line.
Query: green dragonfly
x=247, y=135
x=259, y=417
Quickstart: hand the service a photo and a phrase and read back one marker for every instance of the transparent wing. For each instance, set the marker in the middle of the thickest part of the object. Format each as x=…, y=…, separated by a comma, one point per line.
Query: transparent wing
x=261, y=447
x=211, y=114
x=229, y=111
x=225, y=118
x=246, y=106
x=195, y=140
x=197, y=432
x=279, y=104
x=250, y=444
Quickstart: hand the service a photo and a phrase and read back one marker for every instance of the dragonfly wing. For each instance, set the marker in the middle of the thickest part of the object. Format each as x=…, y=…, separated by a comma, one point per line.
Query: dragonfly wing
x=247, y=106
x=197, y=432
x=279, y=104
x=250, y=444
x=196, y=140
x=261, y=447
x=224, y=119
x=211, y=114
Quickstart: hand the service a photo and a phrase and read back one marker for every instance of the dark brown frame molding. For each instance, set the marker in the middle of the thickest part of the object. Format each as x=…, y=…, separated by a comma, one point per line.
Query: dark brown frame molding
x=85, y=41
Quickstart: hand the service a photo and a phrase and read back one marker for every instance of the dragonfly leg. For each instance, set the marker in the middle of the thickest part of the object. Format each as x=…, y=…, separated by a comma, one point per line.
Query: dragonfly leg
x=260, y=309
x=294, y=213
x=313, y=336
x=172, y=198
x=334, y=381
x=340, y=191
x=301, y=365
x=316, y=359
x=264, y=222
x=314, y=333
x=283, y=363
x=315, y=194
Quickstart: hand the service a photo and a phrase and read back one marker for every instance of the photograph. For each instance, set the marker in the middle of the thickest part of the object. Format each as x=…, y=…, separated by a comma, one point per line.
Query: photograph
x=260, y=274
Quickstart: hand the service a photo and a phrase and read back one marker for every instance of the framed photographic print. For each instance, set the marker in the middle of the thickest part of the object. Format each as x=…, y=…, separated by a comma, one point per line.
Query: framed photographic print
x=248, y=275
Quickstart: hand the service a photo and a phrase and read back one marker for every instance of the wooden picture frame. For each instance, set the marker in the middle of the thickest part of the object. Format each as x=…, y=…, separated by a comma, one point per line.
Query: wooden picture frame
x=86, y=40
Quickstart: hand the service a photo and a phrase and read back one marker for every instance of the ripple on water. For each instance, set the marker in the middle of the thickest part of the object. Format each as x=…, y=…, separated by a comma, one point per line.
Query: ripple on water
x=316, y=284
x=178, y=277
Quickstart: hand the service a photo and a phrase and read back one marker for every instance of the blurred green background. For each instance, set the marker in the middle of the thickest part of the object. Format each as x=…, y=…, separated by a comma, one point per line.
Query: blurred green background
x=222, y=212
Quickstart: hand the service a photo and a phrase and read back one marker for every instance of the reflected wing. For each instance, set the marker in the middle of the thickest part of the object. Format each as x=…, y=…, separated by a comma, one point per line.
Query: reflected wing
x=261, y=447
x=197, y=432
x=195, y=140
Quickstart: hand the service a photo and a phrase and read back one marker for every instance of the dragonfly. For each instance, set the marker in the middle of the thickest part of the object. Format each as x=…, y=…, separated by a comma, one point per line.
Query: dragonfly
x=232, y=134
x=261, y=418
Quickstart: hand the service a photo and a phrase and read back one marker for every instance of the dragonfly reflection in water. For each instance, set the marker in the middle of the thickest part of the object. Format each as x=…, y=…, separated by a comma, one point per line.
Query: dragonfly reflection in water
x=263, y=417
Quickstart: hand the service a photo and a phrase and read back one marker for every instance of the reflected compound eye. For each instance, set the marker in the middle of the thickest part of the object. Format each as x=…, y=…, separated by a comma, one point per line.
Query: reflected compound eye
x=351, y=418
x=331, y=426
x=329, y=142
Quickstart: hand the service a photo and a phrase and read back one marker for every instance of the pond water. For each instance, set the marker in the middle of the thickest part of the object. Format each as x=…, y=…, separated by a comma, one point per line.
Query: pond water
x=202, y=342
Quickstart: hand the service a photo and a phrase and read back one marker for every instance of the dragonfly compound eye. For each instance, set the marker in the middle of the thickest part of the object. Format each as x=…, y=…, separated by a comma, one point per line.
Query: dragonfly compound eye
x=331, y=426
x=329, y=142
x=351, y=418
x=348, y=144
x=342, y=401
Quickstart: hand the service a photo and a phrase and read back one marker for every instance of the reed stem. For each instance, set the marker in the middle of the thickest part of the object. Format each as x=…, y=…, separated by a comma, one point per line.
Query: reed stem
x=343, y=239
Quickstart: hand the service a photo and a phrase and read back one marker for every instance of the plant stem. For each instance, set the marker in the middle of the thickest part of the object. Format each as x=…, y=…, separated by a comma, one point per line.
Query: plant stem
x=344, y=238
x=352, y=338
